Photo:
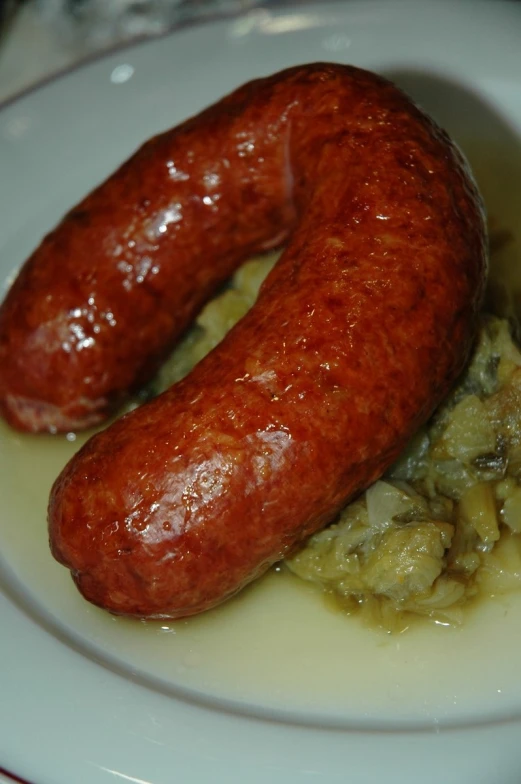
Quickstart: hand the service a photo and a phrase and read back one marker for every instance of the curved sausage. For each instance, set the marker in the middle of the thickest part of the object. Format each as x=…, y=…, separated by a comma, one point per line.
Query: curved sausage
x=357, y=334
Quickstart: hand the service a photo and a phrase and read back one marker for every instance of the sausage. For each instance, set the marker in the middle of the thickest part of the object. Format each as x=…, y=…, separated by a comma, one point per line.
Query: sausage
x=357, y=334
x=106, y=295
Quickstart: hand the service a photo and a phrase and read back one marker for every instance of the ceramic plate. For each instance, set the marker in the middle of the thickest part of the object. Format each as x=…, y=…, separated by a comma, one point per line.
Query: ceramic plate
x=275, y=686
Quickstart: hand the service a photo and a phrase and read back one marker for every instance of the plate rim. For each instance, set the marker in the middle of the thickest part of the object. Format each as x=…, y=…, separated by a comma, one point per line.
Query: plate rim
x=284, y=7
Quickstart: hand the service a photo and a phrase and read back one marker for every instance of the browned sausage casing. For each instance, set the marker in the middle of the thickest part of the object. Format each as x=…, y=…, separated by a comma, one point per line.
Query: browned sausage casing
x=357, y=333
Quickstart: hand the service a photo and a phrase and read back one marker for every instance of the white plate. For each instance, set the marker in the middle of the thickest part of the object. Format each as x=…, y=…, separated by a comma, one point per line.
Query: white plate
x=273, y=687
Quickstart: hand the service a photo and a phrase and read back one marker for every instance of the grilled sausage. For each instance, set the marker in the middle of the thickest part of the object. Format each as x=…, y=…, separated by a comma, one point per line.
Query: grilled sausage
x=357, y=334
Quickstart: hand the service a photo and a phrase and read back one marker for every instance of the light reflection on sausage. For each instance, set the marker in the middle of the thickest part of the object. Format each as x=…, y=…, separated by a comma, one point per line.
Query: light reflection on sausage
x=357, y=334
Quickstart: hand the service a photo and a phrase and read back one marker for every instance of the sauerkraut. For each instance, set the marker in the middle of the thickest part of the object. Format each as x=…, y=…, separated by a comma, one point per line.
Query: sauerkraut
x=443, y=525
x=437, y=530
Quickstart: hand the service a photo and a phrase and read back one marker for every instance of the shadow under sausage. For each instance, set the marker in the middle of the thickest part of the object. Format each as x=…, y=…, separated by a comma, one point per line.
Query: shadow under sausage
x=493, y=148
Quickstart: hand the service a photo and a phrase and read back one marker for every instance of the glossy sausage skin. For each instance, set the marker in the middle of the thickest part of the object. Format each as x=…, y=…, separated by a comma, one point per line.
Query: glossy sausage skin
x=357, y=334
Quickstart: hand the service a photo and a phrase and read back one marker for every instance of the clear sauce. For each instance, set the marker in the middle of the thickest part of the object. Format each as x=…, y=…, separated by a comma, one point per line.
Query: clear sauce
x=280, y=646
